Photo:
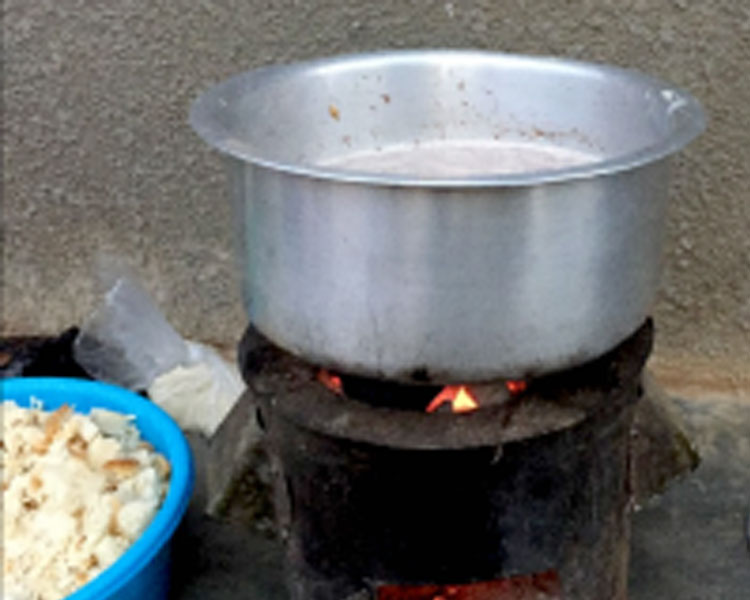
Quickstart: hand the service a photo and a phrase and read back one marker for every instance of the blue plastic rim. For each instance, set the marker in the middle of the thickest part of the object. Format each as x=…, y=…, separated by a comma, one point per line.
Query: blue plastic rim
x=156, y=427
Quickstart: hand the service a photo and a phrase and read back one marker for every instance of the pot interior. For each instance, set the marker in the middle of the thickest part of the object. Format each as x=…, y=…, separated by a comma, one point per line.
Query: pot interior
x=331, y=118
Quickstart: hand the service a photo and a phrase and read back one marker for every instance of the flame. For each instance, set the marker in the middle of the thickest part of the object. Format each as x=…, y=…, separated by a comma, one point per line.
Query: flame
x=331, y=381
x=459, y=396
x=516, y=386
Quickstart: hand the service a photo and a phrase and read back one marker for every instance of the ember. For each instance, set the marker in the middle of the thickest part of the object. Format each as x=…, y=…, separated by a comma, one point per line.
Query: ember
x=331, y=381
x=516, y=386
x=459, y=396
x=544, y=586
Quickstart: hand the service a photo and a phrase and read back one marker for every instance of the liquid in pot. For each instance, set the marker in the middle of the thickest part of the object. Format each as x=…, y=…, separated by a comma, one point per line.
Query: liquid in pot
x=448, y=159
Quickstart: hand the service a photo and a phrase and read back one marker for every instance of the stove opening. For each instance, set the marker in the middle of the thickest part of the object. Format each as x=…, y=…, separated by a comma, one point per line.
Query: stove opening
x=544, y=586
x=456, y=398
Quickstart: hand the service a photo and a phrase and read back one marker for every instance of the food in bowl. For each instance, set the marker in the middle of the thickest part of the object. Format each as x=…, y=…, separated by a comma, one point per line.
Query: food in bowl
x=78, y=490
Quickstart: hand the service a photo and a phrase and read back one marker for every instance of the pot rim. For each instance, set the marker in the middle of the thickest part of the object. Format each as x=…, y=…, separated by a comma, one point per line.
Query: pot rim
x=686, y=115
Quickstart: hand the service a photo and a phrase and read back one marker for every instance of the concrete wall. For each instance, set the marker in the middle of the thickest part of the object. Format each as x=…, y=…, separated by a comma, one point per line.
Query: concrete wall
x=99, y=158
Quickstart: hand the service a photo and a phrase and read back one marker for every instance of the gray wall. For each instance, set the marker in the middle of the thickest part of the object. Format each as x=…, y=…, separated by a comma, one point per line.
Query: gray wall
x=99, y=158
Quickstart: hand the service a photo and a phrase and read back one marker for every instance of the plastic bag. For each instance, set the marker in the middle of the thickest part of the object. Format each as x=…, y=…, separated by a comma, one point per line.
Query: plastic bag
x=127, y=340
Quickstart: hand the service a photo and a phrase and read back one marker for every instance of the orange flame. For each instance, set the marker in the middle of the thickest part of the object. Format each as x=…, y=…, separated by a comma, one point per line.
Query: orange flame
x=516, y=386
x=331, y=381
x=459, y=396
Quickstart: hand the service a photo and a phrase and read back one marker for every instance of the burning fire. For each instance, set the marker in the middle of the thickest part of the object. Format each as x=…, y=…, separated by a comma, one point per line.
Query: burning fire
x=463, y=400
x=459, y=396
x=331, y=381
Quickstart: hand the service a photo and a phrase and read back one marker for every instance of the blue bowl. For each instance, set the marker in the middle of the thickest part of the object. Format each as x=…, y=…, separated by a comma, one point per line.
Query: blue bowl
x=144, y=570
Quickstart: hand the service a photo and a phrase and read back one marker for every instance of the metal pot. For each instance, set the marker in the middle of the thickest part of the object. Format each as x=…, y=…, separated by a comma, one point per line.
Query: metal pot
x=455, y=278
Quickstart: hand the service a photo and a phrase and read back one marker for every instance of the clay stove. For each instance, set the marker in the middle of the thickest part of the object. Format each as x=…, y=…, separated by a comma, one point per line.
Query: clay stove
x=524, y=497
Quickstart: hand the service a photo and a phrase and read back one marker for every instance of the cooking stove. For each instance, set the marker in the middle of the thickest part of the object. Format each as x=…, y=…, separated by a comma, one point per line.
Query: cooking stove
x=523, y=496
x=406, y=465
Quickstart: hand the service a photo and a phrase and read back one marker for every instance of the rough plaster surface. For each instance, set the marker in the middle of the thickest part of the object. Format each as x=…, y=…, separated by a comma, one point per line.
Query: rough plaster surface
x=99, y=158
